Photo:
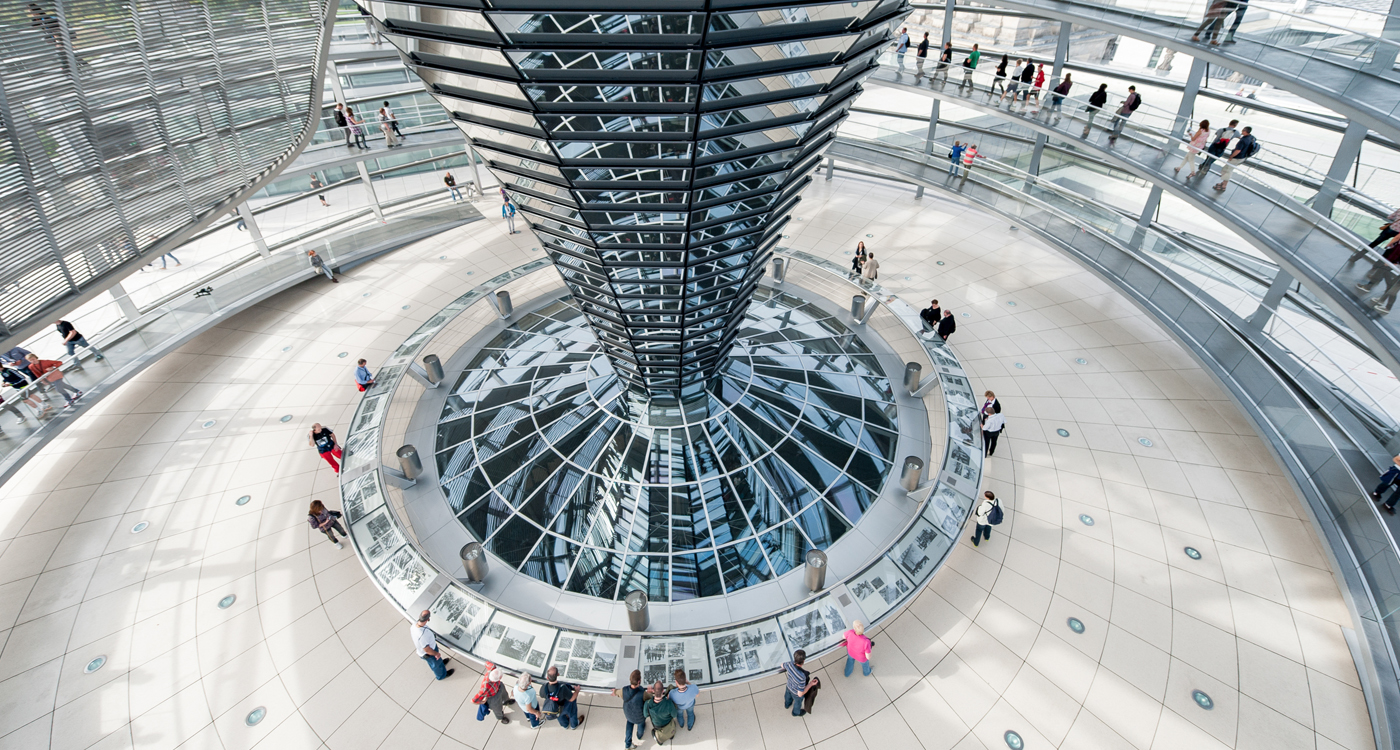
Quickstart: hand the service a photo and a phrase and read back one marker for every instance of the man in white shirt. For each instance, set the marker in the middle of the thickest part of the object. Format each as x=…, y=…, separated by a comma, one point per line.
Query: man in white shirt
x=425, y=643
x=991, y=430
x=393, y=121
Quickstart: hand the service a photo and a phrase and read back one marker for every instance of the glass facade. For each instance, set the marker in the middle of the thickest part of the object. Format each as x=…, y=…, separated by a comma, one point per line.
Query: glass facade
x=655, y=154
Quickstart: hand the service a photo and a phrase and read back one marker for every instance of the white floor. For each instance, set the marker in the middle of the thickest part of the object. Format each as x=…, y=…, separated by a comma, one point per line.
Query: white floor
x=1257, y=623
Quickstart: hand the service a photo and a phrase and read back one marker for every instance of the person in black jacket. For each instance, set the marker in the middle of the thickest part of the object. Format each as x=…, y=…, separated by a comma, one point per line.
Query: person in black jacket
x=920, y=55
x=1000, y=79
x=930, y=316
x=947, y=325
x=1096, y=102
x=1027, y=76
x=945, y=61
x=342, y=123
x=1057, y=99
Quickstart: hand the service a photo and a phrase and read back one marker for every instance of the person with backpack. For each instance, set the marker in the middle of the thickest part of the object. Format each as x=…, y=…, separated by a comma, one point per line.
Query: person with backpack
x=508, y=213
x=1245, y=148
x=988, y=514
x=1130, y=104
x=1057, y=97
x=902, y=46
x=1218, y=143
x=955, y=157
x=1096, y=102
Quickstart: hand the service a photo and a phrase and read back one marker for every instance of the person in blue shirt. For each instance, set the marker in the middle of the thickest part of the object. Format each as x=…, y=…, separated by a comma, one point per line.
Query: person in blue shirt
x=363, y=378
x=955, y=154
x=802, y=687
x=508, y=213
x=684, y=695
x=1245, y=147
x=1389, y=478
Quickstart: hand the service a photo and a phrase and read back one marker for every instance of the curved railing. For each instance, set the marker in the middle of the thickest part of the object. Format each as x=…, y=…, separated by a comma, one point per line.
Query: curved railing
x=484, y=630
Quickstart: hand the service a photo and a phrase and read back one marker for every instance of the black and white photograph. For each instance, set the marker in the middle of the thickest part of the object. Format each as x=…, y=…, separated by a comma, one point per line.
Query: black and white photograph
x=515, y=644
x=465, y=617
x=604, y=662
x=725, y=666
x=588, y=659
x=656, y=652
x=861, y=589
x=377, y=535
x=723, y=645
x=583, y=648
x=653, y=672
x=561, y=657
x=696, y=676
x=770, y=637
x=536, y=659
x=731, y=650
x=404, y=576
x=667, y=655
x=884, y=586
x=565, y=642
x=361, y=497
x=496, y=630
x=675, y=650
x=813, y=626
x=751, y=660
x=805, y=629
x=578, y=670
x=674, y=665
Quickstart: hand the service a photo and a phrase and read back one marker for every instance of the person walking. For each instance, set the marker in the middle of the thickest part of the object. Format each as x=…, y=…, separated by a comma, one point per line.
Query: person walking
x=1130, y=104
x=528, y=699
x=452, y=190
x=902, y=46
x=1194, y=146
x=992, y=425
x=1000, y=78
x=320, y=265
x=955, y=158
x=49, y=373
x=921, y=55
x=1218, y=144
x=800, y=683
x=634, y=697
x=11, y=408
x=1013, y=84
x=491, y=697
x=969, y=66
x=386, y=126
x=363, y=378
x=1390, y=478
x=16, y=355
x=983, y=517
x=316, y=185
x=870, y=270
x=1057, y=97
x=1246, y=147
x=326, y=522
x=342, y=122
x=661, y=711
x=1383, y=270
x=1212, y=21
x=393, y=120
x=565, y=699
x=508, y=213
x=1037, y=86
x=858, y=649
x=1237, y=7
x=18, y=376
x=1096, y=102
x=425, y=645
x=1389, y=229
x=969, y=154
x=683, y=695
x=945, y=61
x=323, y=440
x=947, y=326
x=357, y=128
x=930, y=317
x=72, y=339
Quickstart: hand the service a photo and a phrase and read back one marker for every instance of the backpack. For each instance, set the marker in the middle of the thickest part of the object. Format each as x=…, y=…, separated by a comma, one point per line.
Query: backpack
x=1253, y=149
x=995, y=516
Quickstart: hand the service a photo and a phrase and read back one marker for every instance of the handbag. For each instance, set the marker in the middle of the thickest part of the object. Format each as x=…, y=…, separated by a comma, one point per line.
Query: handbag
x=335, y=513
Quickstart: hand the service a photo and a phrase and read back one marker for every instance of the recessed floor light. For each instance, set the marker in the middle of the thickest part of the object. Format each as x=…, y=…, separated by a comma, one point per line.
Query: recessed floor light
x=94, y=665
x=286, y=418
x=1193, y=553
x=1013, y=740
x=366, y=294
x=868, y=236
x=255, y=716
x=1075, y=624
x=140, y=527
x=1086, y=519
x=243, y=500
x=1202, y=700
x=938, y=262
x=1062, y=432
x=227, y=601
x=208, y=424
x=286, y=348
x=967, y=315
x=1010, y=304
x=1082, y=361
x=405, y=307
x=1145, y=442
x=1020, y=366
x=343, y=355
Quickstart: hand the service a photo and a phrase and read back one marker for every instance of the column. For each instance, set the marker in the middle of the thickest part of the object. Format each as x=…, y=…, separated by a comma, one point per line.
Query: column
x=1061, y=50
x=124, y=303
x=245, y=212
x=334, y=73
x=1149, y=209
x=1383, y=58
x=369, y=188
x=476, y=172
x=948, y=6
x=1282, y=281
x=932, y=128
x=1348, y=151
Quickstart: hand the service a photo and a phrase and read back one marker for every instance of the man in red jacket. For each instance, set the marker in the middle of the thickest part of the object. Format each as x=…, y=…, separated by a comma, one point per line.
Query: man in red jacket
x=50, y=373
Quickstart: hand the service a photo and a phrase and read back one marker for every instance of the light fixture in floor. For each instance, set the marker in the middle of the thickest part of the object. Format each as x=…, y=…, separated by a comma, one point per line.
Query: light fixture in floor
x=1010, y=304
x=1146, y=443
x=208, y=423
x=1202, y=700
x=243, y=500
x=1062, y=432
x=227, y=601
x=1013, y=740
x=255, y=716
x=140, y=527
x=1193, y=553
x=343, y=355
x=1086, y=519
x=94, y=665
x=1082, y=361
x=1075, y=624
x=286, y=418
x=1020, y=366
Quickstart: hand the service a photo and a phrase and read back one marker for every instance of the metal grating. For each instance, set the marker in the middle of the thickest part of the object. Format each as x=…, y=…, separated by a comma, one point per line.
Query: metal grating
x=124, y=123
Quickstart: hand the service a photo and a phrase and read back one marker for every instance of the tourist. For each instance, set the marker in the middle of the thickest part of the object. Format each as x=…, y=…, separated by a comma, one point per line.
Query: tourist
x=326, y=522
x=983, y=529
x=858, y=649
x=490, y=697
x=662, y=713
x=930, y=316
x=565, y=699
x=529, y=700
x=324, y=441
x=363, y=378
x=633, y=697
x=684, y=695
x=425, y=643
x=1195, y=145
x=800, y=683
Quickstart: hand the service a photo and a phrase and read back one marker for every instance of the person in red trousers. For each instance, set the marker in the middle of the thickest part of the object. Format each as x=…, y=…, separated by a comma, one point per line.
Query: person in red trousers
x=324, y=441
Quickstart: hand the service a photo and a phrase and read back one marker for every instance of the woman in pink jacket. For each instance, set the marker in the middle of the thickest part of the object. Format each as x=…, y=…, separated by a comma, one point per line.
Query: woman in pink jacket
x=1197, y=144
x=857, y=649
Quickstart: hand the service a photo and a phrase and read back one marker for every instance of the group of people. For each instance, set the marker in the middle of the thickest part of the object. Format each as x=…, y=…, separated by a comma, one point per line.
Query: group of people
x=1217, y=146
x=1214, y=21
x=30, y=375
x=355, y=127
x=937, y=320
x=1384, y=269
x=864, y=265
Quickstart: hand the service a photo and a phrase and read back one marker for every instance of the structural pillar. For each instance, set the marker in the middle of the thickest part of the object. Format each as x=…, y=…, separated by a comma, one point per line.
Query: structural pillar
x=1061, y=50
x=1149, y=209
x=245, y=212
x=129, y=309
x=1348, y=151
x=948, y=9
x=932, y=128
x=334, y=73
x=476, y=171
x=1282, y=281
x=369, y=188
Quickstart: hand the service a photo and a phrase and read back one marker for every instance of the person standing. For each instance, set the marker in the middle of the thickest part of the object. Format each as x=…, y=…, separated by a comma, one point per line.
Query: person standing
x=947, y=326
x=968, y=156
x=1038, y=85
x=425, y=645
x=49, y=373
x=316, y=185
x=1194, y=146
x=1126, y=110
x=565, y=697
x=902, y=46
x=342, y=122
x=451, y=183
x=529, y=700
x=1218, y=144
x=992, y=425
x=323, y=440
x=990, y=405
x=858, y=649
x=508, y=213
x=983, y=516
x=326, y=522
x=320, y=265
x=18, y=376
x=393, y=120
x=662, y=713
x=856, y=263
x=1057, y=97
x=920, y=55
x=930, y=316
x=1389, y=478
x=386, y=126
x=634, y=697
x=491, y=696
x=969, y=66
x=1389, y=229
x=955, y=159
x=684, y=695
x=800, y=683
x=870, y=270
x=72, y=339
x=363, y=378
x=357, y=128
x=1246, y=147
x=1096, y=102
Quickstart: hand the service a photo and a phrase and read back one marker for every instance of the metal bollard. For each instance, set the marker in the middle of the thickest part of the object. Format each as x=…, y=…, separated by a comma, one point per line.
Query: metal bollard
x=913, y=373
x=858, y=306
x=779, y=270
x=409, y=462
x=503, y=305
x=911, y=473
x=474, y=560
x=815, y=577
x=433, y=367
x=638, y=618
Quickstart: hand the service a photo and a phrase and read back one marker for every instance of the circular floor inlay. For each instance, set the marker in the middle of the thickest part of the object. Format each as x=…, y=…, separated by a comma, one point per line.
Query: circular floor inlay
x=1062, y=432
x=343, y=355
x=1202, y=700
x=1013, y=740
x=967, y=315
x=208, y=424
x=1086, y=519
x=442, y=257
x=1082, y=361
x=255, y=716
x=286, y=418
x=1020, y=366
x=405, y=307
x=94, y=665
x=243, y=500
x=1193, y=553
x=140, y=527
x=1075, y=624
x=227, y=601
x=939, y=262
x=1145, y=442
